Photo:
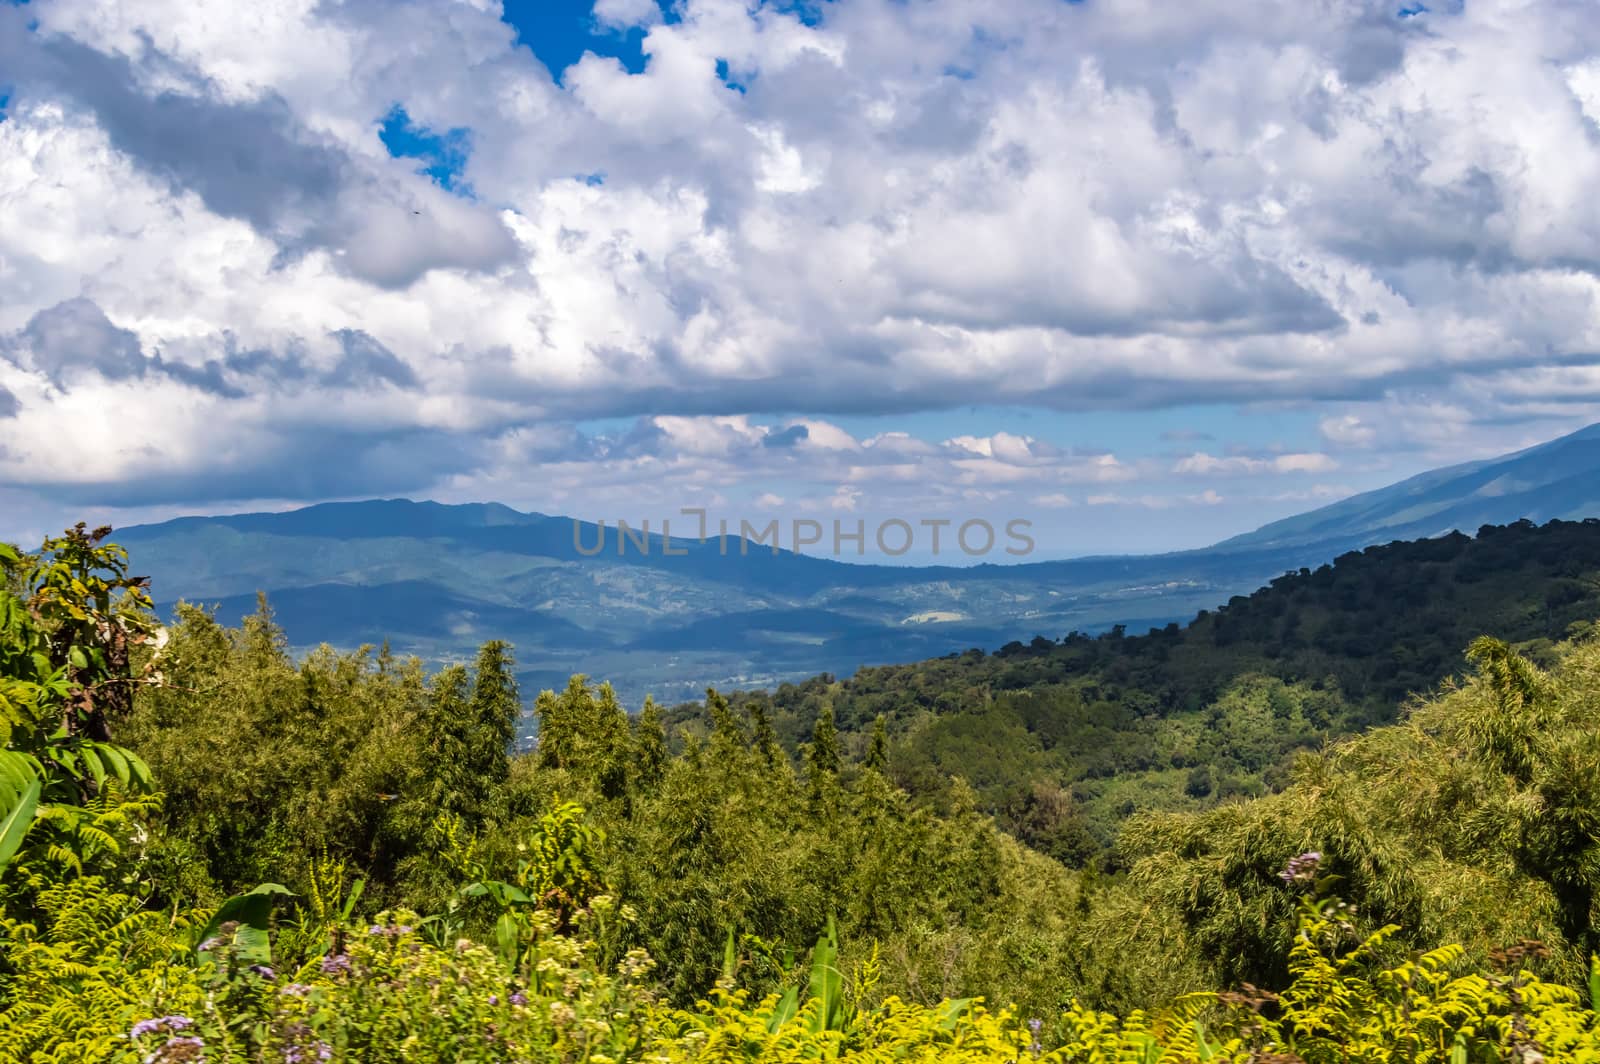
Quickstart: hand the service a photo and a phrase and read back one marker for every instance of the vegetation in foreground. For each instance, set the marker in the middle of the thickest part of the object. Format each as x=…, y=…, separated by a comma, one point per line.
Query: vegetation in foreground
x=211, y=852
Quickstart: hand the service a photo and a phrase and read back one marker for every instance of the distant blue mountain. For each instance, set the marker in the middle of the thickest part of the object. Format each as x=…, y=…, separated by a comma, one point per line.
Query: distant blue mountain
x=437, y=580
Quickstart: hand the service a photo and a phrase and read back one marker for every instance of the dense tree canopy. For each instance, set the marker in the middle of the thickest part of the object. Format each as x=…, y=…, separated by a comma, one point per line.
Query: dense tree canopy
x=674, y=889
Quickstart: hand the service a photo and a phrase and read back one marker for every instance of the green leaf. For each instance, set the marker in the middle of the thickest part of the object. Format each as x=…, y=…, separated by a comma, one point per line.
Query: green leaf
x=504, y=894
x=730, y=959
x=350, y=903
x=950, y=1012
x=140, y=770
x=17, y=771
x=507, y=935
x=92, y=762
x=79, y=659
x=118, y=762
x=785, y=1011
x=827, y=982
x=252, y=911
x=16, y=821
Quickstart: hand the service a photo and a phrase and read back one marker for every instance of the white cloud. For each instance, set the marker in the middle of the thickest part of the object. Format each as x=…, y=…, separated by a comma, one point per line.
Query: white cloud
x=1347, y=429
x=626, y=13
x=1203, y=464
x=1103, y=210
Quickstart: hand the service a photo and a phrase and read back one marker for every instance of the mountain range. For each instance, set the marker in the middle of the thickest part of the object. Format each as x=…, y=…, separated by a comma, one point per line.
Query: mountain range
x=437, y=580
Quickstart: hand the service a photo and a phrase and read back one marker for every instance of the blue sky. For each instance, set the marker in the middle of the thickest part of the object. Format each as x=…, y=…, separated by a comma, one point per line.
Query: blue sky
x=846, y=257
x=560, y=31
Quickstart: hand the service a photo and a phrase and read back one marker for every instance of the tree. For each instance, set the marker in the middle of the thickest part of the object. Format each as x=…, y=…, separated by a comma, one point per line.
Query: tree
x=766, y=738
x=822, y=756
x=70, y=618
x=878, y=751
x=451, y=786
x=649, y=744
x=495, y=707
x=564, y=720
x=610, y=744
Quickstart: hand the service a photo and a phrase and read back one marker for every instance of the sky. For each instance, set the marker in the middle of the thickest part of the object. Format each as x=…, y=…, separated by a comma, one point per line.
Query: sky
x=1143, y=274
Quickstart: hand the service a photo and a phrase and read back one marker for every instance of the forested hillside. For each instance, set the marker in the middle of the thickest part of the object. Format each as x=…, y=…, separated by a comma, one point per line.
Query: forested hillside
x=212, y=850
x=1064, y=738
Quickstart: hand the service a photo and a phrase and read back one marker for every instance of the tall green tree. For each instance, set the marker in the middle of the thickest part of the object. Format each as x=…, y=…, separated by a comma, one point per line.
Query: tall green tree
x=495, y=708
x=649, y=744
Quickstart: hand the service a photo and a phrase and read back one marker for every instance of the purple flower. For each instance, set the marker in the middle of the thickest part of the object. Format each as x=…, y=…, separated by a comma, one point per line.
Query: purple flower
x=160, y=1023
x=519, y=998
x=295, y=989
x=494, y=999
x=263, y=971
x=1035, y=1025
x=210, y=944
x=1301, y=869
x=335, y=963
x=306, y=1054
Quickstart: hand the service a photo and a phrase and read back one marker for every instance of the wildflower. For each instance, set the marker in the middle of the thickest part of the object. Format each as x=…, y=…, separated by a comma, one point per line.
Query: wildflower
x=636, y=964
x=335, y=963
x=210, y=944
x=302, y=1054
x=1301, y=869
x=494, y=999
x=1034, y=1026
x=295, y=990
x=519, y=998
x=263, y=971
x=160, y=1023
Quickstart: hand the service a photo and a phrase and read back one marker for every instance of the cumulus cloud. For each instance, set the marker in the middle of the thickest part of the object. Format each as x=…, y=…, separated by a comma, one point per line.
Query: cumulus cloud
x=1203, y=464
x=626, y=13
x=884, y=210
x=1347, y=429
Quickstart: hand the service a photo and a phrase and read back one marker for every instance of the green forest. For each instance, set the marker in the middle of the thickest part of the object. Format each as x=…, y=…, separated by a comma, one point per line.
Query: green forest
x=1354, y=817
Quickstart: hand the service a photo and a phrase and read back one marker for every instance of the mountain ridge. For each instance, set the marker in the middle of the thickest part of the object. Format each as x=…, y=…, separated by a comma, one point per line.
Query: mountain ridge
x=438, y=579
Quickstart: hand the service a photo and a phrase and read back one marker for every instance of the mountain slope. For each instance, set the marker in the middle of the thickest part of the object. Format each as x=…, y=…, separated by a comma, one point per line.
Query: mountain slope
x=1555, y=480
x=1188, y=716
